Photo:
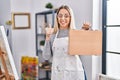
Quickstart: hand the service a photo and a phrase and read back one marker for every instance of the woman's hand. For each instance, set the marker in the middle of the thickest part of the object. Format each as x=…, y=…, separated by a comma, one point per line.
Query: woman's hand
x=86, y=26
x=49, y=31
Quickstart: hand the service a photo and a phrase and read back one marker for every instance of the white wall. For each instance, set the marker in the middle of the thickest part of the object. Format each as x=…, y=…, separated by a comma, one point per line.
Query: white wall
x=5, y=11
x=96, y=24
x=5, y=16
x=23, y=40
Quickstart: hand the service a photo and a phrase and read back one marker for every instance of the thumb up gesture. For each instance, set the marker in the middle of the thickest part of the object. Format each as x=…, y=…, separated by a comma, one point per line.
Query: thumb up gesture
x=49, y=31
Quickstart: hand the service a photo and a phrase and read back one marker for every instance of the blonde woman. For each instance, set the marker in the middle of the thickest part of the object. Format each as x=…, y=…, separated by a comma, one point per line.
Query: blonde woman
x=64, y=66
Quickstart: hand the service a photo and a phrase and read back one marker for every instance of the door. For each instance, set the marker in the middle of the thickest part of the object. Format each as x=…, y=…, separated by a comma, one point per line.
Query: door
x=111, y=26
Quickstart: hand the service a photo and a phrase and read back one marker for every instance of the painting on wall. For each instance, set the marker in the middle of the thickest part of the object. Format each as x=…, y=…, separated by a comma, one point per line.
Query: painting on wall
x=21, y=20
x=7, y=66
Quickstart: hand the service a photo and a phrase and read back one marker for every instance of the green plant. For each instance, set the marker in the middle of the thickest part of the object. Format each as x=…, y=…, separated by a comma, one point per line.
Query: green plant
x=42, y=42
x=49, y=5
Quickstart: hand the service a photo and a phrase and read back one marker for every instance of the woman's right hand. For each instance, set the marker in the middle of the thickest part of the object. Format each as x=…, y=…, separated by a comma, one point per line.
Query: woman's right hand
x=49, y=31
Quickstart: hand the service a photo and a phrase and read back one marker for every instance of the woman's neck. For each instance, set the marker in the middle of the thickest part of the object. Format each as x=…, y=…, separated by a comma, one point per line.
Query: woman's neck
x=63, y=28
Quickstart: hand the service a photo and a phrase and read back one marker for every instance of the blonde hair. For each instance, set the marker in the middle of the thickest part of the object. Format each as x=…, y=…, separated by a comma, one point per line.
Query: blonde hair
x=72, y=23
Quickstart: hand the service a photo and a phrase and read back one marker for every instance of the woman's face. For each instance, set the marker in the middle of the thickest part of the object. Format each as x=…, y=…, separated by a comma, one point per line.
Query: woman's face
x=63, y=19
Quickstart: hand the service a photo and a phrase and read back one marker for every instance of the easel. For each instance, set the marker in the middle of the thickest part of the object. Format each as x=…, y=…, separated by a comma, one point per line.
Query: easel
x=6, y=73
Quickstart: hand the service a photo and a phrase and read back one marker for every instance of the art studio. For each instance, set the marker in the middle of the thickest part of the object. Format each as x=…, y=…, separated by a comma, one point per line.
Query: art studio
x=59, y=40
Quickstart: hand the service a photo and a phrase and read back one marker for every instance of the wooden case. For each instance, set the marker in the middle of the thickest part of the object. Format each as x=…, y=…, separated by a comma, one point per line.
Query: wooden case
x=83, y=42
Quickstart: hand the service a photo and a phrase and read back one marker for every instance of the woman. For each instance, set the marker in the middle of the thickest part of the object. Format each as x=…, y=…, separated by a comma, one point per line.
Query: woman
x=64, y=66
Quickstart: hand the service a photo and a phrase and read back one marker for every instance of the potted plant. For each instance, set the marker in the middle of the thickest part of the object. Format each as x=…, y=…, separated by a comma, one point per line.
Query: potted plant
x=42, y=44
x=49, y=5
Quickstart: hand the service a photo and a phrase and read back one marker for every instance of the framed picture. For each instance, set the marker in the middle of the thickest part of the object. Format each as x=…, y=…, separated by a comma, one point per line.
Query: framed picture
x=21, y=20
x=7, y=65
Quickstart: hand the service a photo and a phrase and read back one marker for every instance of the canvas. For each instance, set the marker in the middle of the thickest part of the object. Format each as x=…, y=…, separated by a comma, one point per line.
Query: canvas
x=7, y=65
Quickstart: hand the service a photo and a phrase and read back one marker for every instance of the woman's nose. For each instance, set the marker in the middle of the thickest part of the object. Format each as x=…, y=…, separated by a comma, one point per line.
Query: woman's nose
x=63, y=17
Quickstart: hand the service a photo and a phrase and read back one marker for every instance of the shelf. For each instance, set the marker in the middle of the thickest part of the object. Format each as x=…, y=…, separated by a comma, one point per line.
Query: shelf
x=39, y=34
x=46, y=69
x=47, y=73
x=46, y=12
x=39, y=51
x=42, y=18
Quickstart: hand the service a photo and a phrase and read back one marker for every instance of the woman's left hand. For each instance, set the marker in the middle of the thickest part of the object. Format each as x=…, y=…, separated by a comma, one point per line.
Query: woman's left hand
x=86, y=26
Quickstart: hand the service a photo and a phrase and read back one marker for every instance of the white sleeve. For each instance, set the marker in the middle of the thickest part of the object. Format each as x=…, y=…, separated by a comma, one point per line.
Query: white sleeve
x=47, y=51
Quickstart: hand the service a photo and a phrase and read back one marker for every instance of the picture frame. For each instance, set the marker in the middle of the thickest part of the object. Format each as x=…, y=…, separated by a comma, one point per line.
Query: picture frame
x=21, y=20
x=7, y=65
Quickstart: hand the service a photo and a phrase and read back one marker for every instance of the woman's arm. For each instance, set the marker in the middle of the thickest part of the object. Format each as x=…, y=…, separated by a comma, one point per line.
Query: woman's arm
x=47, y=51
